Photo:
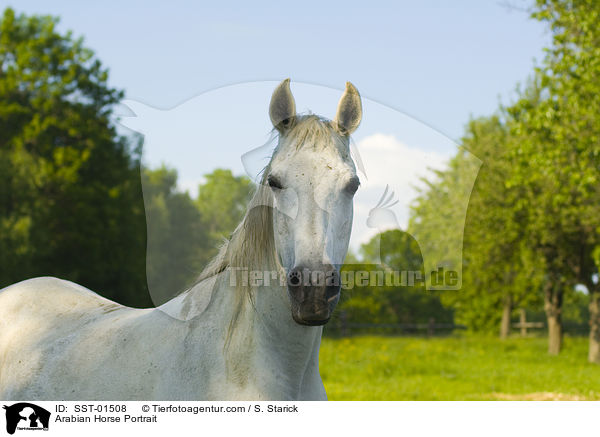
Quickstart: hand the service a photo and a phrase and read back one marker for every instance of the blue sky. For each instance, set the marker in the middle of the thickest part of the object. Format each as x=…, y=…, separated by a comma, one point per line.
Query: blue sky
x=423, y=68
x=438, y=61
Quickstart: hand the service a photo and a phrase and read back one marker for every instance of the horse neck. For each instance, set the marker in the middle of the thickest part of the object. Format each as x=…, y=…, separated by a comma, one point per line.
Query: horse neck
x=266, y=345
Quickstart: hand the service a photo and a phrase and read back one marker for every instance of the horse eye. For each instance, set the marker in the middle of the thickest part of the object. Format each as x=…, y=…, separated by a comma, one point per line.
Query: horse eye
x=274, y=182
x=352, y=186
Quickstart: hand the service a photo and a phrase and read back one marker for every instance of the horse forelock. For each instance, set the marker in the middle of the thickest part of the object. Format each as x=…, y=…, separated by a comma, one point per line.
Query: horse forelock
x=310, y=130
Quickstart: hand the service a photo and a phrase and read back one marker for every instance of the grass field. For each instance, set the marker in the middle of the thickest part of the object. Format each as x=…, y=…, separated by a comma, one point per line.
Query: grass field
x=456, y=368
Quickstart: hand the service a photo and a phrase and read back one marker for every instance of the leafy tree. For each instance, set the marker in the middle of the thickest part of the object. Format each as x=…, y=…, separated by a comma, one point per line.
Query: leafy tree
x=534, y=211
x=178, y=242
x=438, y=214
x=559, y=156
x=70, y=197
x=501, y=269
x=222, y=201
x=404, y=299
x=500, y=272
x=185, y=233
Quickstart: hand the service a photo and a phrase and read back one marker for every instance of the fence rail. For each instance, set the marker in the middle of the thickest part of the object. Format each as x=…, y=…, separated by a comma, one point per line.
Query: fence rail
x=346, y=328
x=342, y=326
x=566, y=327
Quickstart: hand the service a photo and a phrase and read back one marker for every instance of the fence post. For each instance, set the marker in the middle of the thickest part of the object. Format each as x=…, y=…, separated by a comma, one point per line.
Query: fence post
x=431, y=327
x=344, y=324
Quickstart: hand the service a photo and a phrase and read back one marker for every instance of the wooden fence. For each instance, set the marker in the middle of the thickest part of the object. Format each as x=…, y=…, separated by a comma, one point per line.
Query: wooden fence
x=345, y=328
x=523, y=325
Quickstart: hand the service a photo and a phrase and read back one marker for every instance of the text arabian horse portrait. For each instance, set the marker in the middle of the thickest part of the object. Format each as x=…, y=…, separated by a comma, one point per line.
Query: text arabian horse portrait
x=59, y=340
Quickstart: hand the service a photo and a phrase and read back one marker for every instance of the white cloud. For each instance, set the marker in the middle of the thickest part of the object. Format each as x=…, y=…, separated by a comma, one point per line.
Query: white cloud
x=390, y=162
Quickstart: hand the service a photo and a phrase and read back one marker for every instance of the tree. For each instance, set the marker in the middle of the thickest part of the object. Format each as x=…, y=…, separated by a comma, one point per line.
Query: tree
x=222, y=201
x=401, y=298
x=544, y=217
x=179, y=245
x=70, y=195
x=559, y=157
x=500, y=272
x=437, y=217
x=500, y=267
x=184, y=234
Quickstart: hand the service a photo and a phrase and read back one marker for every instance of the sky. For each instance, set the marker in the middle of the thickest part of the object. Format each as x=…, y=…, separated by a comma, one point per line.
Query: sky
x=437, y=61
x=198, y=77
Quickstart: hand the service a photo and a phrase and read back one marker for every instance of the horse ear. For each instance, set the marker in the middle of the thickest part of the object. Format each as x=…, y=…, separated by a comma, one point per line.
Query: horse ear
x=349, y=111
x=282, y=109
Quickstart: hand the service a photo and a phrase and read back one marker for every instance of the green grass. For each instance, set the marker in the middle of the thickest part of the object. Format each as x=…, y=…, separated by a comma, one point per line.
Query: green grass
x=456, y=368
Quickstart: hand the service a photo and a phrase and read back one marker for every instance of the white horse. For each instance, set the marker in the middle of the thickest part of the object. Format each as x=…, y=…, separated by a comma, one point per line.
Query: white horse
x=223, y=339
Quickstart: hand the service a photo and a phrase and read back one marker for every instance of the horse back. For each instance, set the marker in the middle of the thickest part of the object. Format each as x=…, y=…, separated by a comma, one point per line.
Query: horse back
x=46, y=295
x=44, y=322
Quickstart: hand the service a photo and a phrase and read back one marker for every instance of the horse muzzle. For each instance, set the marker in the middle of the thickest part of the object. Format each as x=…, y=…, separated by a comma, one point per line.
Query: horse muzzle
x=314, y=294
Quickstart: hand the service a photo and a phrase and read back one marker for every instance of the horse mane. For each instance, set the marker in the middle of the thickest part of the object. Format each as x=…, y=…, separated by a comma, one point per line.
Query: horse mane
x=251, y=245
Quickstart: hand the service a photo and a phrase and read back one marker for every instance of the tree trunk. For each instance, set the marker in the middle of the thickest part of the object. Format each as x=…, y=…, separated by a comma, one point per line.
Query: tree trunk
x=594, y=349
x=506, y=312
x=523, y=321
x=554, y=334
x=553, y=306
